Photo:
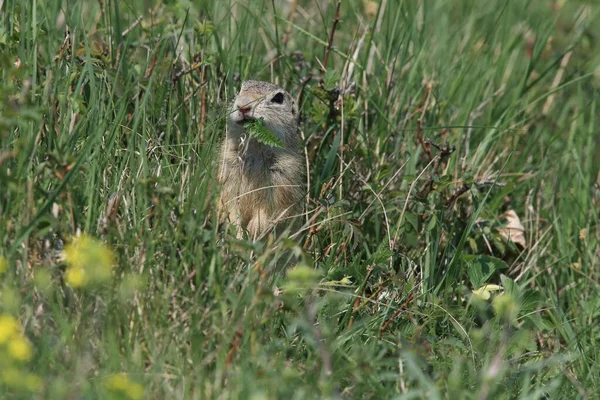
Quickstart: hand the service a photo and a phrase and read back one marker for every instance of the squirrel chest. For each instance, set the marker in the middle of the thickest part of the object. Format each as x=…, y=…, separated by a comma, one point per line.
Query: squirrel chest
x=261, y=187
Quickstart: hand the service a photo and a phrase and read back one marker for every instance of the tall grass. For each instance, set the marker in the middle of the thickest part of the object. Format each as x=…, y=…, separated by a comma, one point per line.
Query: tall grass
x=430, y=121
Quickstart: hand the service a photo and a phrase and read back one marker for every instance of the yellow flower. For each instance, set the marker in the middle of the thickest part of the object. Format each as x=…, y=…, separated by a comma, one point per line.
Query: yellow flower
x=11, y=377
x=3, y=265
x=88, y=261
x=75, y=251
x=75, y=277
x=121, y=383
x=8, y=327
x=135, y=391
x=485, y=292
x=117, y=382
x=33, y=383
x=18, y=379
x=19, y=349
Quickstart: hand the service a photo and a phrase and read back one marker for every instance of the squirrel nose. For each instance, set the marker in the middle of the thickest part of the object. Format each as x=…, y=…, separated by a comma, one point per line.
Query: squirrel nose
x=245, y=109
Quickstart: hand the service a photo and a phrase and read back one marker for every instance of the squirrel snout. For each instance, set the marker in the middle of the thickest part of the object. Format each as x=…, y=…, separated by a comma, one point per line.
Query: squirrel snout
x=245, y=109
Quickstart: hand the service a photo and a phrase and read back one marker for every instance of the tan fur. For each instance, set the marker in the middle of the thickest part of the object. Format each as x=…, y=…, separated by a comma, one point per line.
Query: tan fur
x=260, y=185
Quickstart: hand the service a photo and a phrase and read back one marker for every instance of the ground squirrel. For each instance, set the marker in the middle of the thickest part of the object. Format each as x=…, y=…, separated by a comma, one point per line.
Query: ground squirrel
x=261, y=185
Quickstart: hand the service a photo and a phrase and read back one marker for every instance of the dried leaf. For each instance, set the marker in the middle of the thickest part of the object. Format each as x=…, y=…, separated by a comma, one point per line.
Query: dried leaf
x=513, y=230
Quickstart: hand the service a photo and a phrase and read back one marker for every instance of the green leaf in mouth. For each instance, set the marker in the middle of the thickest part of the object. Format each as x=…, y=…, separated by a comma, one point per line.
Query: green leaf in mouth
x=256, y=129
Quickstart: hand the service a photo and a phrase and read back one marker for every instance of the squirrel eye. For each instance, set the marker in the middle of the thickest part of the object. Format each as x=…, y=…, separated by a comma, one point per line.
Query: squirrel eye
x=278, y=98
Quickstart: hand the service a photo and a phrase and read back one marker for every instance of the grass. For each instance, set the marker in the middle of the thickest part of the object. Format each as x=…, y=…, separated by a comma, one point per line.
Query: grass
x=111, y=113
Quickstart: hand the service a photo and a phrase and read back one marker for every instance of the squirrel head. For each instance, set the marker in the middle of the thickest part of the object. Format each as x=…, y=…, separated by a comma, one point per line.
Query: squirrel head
x=266, y=101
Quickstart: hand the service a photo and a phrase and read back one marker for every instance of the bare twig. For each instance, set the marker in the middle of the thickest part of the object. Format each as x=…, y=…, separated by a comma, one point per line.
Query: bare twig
x=457, y=193
x=132, y=26
x=66, y=45
x=395, y=314
x=151, y=66
x=303, y=84
x=234, y=347
x=186, y=71
x=466, y=187
x=118, y=56
x=336, y=19
x=444, y=153
x=426, y=146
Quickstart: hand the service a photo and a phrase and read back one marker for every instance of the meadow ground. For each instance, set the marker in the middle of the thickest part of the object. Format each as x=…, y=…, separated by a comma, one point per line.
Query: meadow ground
x=451, y=244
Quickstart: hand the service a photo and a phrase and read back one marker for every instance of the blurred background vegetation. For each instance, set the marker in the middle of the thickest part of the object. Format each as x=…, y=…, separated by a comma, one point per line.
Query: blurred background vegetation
x=451, y=241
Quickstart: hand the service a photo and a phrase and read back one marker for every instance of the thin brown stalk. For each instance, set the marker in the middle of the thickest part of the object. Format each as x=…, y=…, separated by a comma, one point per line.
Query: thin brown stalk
x=396, y=313
x=336, y=19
